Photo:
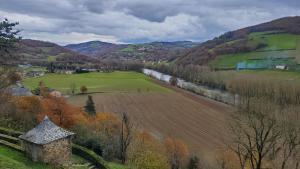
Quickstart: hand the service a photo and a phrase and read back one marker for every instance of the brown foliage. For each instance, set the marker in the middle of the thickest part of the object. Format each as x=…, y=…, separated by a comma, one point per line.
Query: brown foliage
x=108, y=122
x=8, y=77
x=21, y=112
x=227, y=159
x=61, y=112
x=147, y=152
x=177, y=153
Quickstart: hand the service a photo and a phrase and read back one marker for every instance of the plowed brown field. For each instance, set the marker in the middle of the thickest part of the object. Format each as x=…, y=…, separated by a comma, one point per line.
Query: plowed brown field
x=199, y=121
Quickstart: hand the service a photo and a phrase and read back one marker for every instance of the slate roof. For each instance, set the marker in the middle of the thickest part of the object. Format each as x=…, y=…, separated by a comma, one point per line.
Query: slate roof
x=45, y=133
x=19, y=91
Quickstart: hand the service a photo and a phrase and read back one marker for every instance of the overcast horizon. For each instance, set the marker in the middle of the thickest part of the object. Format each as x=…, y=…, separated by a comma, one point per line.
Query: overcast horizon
x=139, y=21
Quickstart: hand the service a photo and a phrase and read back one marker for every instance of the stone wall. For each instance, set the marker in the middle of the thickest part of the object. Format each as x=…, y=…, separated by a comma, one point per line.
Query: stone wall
x=33, y=151
x=57, y=152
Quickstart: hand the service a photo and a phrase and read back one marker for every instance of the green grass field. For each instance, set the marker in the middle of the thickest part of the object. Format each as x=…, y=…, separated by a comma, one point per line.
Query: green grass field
x=278, y=45
x=275, y=75
x=231, y=60
x=11, y=159
x=282, y=41
x=118, y=81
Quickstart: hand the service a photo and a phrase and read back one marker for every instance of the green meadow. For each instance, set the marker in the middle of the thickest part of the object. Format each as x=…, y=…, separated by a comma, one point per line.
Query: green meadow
x=118, y=81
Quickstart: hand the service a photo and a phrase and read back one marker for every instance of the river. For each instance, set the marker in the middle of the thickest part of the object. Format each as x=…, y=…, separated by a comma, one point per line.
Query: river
x=216, y=94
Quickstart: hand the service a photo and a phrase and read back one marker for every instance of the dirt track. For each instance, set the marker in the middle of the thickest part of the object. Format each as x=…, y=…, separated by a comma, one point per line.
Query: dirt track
x=199, y=121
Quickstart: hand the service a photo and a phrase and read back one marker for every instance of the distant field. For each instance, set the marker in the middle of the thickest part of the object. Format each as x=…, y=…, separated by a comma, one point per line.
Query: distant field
x=98, y=82
x=278, y=45
x=230, y=61
x=275, y=75
x=282, y=41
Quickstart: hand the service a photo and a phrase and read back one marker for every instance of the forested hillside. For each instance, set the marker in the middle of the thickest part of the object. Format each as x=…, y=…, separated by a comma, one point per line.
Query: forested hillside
x=154, y=51
x=35, y=51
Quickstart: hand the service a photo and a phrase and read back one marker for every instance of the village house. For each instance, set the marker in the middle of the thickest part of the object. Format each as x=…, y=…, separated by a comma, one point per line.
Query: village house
x=55, y=93
x=18, y=90
x=48, y=143
x=281, y=67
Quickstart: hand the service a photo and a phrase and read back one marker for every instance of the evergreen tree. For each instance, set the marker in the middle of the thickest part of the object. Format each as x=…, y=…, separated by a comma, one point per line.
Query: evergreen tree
x=8, y=38
x=90, y=106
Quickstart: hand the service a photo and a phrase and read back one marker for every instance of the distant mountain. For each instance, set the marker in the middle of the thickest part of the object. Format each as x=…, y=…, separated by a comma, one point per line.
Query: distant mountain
x=39, y=51
x=153, y=51
x=94, y=48
x=260, y=37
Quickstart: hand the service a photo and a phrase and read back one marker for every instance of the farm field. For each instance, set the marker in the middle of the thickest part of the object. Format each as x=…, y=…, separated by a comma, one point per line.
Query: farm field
x=273, y=74
x=200, y=122
x=117, y=81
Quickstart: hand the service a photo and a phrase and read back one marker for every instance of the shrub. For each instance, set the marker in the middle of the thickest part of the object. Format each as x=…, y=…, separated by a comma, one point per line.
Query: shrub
x=90, y=156
x=83, y=89
x=173, y=81
x=10, y=132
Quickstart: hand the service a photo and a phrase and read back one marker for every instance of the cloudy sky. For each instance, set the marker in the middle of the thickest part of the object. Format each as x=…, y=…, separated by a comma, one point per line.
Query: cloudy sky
x=137, y=21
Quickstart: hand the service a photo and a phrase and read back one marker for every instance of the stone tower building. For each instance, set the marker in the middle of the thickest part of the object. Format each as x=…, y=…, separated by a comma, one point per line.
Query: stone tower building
x=48, y=143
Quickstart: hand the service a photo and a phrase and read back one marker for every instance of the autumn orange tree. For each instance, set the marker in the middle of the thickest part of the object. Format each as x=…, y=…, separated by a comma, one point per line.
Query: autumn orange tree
x=28, y=107
x=108, y=126
x=227, y=159
x=102, y=134
x=147, y=152
x=177, y=153
x=19, y=112
x=61, y=112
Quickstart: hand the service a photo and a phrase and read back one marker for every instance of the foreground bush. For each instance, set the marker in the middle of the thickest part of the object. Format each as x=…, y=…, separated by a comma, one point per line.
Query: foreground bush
x=90, y=156
x=147, y=153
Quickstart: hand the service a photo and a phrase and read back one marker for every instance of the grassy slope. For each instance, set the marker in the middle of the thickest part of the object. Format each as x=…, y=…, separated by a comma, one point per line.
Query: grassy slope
x=98, y=82
x=11, y=159
x=277, y=45
x=116, y=166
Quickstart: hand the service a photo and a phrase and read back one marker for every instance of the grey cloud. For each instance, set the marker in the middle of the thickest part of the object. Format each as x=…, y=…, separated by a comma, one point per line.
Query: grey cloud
x=140, y=20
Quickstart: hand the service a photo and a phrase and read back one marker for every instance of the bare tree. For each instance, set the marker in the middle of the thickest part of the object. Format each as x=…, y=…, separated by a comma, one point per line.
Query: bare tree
x=255, y=134
x=126, y=135
x=289, y=148
x=73, y=88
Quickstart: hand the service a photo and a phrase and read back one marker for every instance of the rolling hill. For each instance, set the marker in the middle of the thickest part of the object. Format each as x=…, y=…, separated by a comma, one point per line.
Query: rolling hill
x=154, y=51
x=273, y=40
x=276, y=41
x=35, y=51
